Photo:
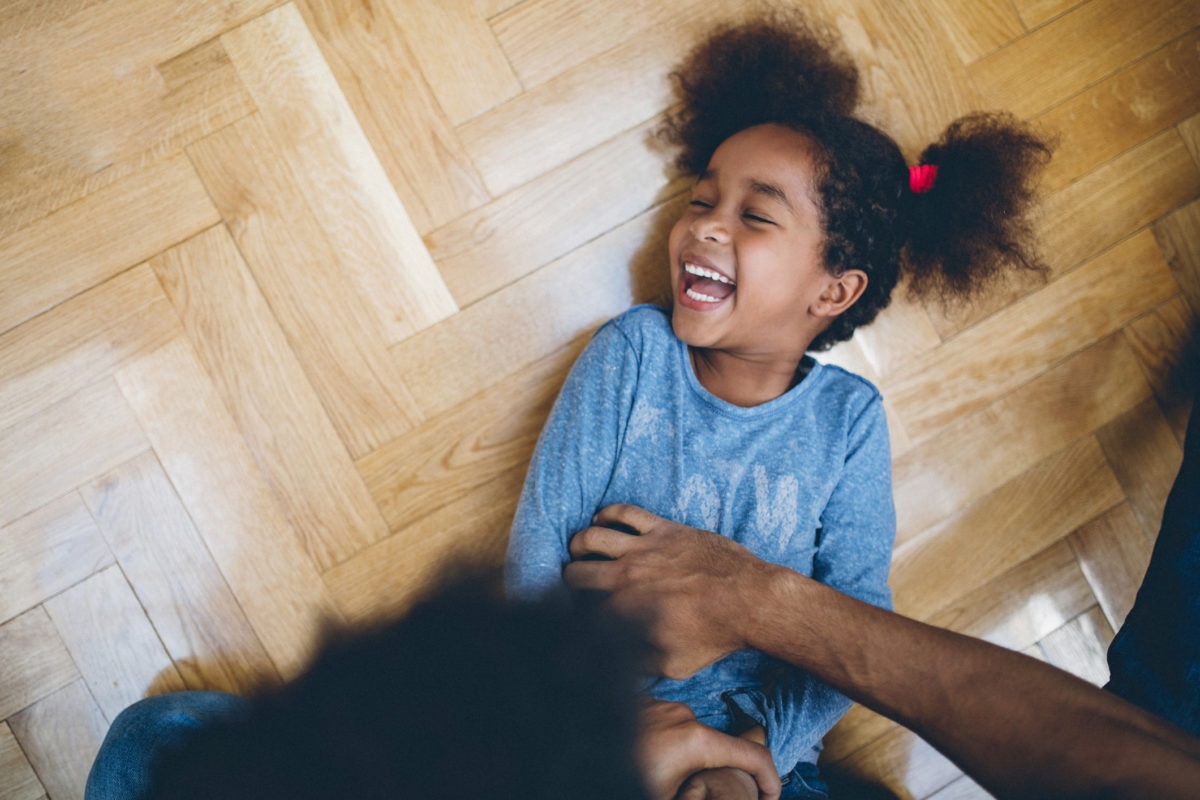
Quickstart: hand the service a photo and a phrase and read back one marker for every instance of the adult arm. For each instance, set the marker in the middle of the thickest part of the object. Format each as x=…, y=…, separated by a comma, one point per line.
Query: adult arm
x=853, y=555
x=1021, y=728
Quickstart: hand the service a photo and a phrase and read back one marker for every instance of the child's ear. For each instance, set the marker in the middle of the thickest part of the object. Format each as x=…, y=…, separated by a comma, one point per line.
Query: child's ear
x=841, y=293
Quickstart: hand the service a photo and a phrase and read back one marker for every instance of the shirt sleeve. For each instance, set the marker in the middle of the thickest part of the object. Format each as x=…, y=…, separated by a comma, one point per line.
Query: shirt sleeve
x=572, y=464
x=858, y=528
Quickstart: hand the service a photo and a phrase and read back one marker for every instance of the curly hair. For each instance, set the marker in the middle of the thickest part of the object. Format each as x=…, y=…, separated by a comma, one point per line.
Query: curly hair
x=950, y=241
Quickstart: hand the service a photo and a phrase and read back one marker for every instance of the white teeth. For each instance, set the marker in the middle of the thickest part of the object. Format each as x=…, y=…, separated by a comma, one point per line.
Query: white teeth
x=704, y=272
x=703, y=298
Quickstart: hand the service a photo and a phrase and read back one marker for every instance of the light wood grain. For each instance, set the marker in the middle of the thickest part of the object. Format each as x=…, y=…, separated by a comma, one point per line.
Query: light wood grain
x=47, y=551
x=1080, y=645
x=300, y=274
x=365, y=46
x=315, y=130
x=108, y=635
x=1113, y=552
x=262, y=384
x=177, y=582
x=66, y=444
x=229, y=501
x=1070, y=52
x=286, y=288
x=136, y=227
x=81, y=341
x=35, y=662
x=1011, y=524
x=61, y=734
x=18, y=781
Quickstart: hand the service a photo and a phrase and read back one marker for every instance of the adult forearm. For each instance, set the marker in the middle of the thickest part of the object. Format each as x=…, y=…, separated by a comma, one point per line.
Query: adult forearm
x=1020, y=727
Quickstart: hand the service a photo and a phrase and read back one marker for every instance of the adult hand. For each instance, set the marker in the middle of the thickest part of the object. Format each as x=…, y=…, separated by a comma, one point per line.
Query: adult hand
x=693, y=590
x=674, y=746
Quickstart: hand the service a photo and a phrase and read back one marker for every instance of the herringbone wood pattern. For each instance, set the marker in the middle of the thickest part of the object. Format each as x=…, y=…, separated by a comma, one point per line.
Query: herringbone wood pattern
x=286, y=289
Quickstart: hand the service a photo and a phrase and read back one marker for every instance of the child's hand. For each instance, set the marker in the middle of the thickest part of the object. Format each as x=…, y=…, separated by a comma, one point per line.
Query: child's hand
x=723, y=783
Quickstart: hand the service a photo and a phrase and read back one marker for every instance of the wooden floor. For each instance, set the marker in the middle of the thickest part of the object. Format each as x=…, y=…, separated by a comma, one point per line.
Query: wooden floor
x=286, y=290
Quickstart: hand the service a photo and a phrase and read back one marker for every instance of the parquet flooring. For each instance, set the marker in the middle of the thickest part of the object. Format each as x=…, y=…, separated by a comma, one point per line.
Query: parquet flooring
x=287, y=288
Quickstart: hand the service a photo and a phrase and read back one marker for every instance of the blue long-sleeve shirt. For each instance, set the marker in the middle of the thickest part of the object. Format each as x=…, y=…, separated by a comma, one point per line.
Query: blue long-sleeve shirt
x=803, y=480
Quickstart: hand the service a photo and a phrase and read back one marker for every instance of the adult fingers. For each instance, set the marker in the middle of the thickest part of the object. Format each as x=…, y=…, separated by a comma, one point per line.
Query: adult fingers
x=600, y=541
x=634, y=517
x=756, y=760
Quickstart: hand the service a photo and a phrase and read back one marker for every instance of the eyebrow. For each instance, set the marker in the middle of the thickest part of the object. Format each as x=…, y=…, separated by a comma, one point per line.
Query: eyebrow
x=758, y=187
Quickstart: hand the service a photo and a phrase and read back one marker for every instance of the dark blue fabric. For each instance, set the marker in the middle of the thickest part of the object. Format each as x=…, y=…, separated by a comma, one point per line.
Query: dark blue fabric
x=1154, y=660
x=141, y=733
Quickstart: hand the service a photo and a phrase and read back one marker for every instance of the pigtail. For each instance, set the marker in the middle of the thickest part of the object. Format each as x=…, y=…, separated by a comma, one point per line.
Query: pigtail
x=772, y=69
x=967, y=206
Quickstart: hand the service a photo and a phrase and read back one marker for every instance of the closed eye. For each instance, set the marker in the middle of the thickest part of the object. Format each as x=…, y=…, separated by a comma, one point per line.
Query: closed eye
x=757, y=218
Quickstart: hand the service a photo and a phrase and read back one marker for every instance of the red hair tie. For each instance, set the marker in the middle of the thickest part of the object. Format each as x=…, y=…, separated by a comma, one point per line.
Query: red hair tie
x=921, y=177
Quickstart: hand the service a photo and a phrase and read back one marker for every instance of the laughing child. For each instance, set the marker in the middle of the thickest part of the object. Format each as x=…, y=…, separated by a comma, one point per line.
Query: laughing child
x=713, y=414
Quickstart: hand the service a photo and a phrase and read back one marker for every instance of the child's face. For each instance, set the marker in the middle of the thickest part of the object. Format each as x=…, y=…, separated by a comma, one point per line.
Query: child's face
x=747, y=268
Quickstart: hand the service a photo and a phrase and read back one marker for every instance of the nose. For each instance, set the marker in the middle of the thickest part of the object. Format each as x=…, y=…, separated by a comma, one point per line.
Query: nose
x=709, y=226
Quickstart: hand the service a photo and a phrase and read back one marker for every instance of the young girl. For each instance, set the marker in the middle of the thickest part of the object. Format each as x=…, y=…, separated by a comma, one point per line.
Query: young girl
x=712, y=414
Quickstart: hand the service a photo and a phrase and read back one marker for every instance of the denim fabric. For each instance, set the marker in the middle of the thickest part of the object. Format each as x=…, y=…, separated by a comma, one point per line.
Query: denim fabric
x=1154, y=660
x=804, y=783
x=125, y=763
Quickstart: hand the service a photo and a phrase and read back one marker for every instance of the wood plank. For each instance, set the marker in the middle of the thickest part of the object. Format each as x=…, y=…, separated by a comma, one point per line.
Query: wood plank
x=183, y=592
x=17, y=778
x=619, y=268
x=47, y=551
x=136, y=224
x=1025, y=604
x=1014, y=610
x=1038, y=12
x=1113, y=552
x=365, y=46
x=900, y=333
x=548, y=217
x=109, y=637
x=336, y=338
x=35, y=663
x=229, y=501
x=904, y=763
x=314, y=128
x=962, y=789
x=975, y=29
x=1167, y=343
x=68, y=443
x=81, y=341
x=104, y=94
x=1001, y=530
x=61, y=734
x=1176, y=235
x=1080, y=647
x=465, y=87
x=1029, y=336
x=546, y=38
x=1077, y=49
x=1117, y=199
x=466, y=448
x=1145, y=456
x=1147, y=97
x=620, y=88
x=1189, y=129
x=1090, y=215
x=388, y=577
x=282, y=420
x=975, y=453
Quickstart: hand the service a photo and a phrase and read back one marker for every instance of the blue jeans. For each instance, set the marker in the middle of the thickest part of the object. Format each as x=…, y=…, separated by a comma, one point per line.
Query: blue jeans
x=1154, y=660
x=125, y=762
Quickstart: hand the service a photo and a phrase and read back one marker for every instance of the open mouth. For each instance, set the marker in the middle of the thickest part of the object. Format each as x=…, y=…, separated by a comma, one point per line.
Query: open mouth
x=703, y=285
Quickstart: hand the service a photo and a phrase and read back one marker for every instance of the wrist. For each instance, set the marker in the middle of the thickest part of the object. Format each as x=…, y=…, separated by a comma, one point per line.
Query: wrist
x=773, y=624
